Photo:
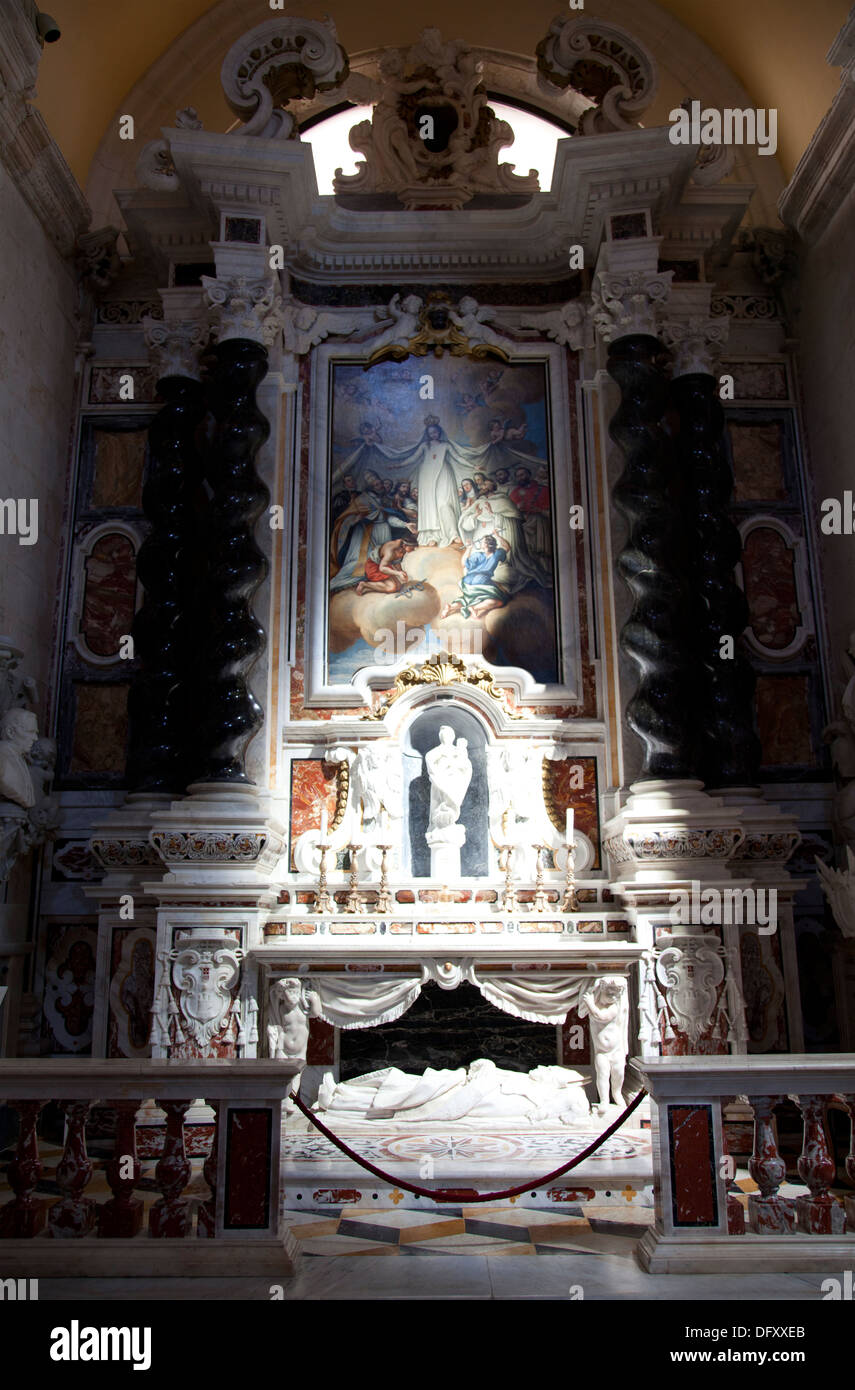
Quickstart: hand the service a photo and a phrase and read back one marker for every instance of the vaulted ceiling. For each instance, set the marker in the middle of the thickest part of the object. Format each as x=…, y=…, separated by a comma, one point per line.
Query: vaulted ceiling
x=775, y=48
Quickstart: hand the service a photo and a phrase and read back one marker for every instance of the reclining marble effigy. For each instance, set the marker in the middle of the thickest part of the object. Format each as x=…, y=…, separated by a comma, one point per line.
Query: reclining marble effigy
x=481, y=1091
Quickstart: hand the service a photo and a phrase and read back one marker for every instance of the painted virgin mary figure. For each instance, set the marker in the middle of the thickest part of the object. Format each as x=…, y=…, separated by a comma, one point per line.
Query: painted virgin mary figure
x=437, y=465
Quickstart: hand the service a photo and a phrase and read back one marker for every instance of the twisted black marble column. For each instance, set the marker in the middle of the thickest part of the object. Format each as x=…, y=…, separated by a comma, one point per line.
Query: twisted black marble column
x=730, y=749
x=655, y=562
x=158, y=736
x=230, y=638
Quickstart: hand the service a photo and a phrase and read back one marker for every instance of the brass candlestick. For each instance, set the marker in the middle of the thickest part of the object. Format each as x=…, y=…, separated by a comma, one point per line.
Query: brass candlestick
x=384, y=897
x=539, y=902
x=509, y=894
x=354, y=902
x=323, y=901
x=571, y=902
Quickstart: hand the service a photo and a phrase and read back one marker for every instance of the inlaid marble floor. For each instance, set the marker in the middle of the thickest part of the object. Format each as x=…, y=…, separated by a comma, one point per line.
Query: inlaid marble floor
x=470, y=1230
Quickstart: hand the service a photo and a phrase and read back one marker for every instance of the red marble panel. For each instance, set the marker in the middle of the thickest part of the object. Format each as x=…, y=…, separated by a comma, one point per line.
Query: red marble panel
x=109, y=594
x=763, y=988
x=313, y=786
x=248, y=1156
x=558, y=779
x=783, y=720
x=693, y=1183
x=768, y=567
x=131, y=991
x=69, y=997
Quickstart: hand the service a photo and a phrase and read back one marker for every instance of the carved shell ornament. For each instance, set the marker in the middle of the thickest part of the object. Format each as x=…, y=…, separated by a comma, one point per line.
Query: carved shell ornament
x=443, y=670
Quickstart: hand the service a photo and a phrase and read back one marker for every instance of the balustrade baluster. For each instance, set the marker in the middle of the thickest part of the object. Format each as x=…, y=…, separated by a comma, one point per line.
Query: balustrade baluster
x=849, y=1199
x=73, y=1215
x=768, y=1214
x=735, y=1209
x=170, y=1217
x=207, y=1215
x=818, y=1214
x=122, y=1216
x=24, y=1216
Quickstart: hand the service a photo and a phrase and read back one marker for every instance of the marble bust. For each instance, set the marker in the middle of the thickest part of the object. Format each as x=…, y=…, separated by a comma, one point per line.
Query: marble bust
x=450, y=772
x=18, y=732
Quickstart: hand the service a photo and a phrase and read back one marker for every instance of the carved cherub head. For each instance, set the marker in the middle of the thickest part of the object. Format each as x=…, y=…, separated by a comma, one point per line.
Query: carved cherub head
x=288, y=991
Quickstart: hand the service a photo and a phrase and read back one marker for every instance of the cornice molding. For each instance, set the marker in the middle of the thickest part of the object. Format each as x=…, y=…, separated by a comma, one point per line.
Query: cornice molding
x=825, y=174
x=27, y=149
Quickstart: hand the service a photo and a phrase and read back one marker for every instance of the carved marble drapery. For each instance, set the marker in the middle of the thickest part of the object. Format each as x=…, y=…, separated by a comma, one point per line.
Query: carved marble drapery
x=366, y=1002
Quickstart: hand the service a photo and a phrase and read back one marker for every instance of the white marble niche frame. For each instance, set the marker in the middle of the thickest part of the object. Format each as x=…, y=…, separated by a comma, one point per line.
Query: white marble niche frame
x=356, y=693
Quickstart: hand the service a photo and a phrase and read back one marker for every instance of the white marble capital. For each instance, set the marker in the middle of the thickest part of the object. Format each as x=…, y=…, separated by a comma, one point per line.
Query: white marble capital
x=174, y=346
x=696, y=343
x=244, y=307
x=626, y=302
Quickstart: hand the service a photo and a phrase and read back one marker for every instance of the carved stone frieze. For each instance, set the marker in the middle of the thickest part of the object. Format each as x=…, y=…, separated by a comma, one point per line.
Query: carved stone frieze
x=224, y=846
x=120, y=853
x=678, y=843
x=752, y=307
x=433, y=140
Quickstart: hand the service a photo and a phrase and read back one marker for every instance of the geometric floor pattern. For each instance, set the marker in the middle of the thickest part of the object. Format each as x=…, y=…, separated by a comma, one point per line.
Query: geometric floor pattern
x=477, y=1230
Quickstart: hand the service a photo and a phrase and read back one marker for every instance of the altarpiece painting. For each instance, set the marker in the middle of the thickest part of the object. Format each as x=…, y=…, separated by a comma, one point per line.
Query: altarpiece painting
x=446, y=502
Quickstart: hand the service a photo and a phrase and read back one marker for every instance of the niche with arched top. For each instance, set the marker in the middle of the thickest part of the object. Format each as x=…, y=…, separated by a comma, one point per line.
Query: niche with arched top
x=421, y=736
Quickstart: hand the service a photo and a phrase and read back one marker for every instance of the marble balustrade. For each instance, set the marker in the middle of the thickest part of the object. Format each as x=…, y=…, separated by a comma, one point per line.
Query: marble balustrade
x=237, y=1227
x=701, y=1225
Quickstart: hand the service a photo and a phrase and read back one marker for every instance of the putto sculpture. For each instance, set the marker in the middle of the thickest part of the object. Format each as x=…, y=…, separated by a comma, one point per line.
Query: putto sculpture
x=607, y=1005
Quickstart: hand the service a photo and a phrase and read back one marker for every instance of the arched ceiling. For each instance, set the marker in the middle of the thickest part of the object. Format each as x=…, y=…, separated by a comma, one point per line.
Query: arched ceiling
x=775, y=48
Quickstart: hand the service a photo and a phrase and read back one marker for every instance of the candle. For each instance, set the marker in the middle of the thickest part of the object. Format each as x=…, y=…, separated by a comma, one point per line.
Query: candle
x=324, y=824
x=505, y=824
x=568, y=829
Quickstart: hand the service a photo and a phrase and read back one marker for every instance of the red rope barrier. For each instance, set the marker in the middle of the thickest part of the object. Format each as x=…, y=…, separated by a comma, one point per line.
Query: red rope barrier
x=463, y=1194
